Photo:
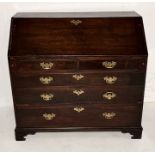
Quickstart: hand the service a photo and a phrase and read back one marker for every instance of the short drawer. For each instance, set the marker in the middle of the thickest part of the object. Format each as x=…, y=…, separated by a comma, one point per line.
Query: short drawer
x=45, y=66
x=108, y=78
x=66, y=95
x=112, y=63
x=79, y=116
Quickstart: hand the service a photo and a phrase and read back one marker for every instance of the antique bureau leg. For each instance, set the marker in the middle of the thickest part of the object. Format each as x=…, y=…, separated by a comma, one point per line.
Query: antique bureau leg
x=135, y=132
x=21, y=134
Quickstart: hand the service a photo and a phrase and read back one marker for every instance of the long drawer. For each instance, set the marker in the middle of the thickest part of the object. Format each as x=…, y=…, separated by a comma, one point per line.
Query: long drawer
x=79, y=78
x=52, y=95
x=97, y=115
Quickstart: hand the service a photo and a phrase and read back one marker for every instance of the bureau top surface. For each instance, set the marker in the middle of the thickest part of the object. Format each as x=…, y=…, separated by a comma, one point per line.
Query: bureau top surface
x=89, y=33
x=75, y=14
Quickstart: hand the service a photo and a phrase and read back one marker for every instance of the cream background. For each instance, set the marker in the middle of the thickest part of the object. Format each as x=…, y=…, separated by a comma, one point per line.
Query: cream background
x=76, y=141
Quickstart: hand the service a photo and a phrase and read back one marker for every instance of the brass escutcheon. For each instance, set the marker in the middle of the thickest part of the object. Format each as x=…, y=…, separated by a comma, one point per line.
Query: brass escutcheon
x=109, y=95
x=79, y=109
x=108, y=115
x=78, y=92
x=78, y=77
x=46, y=80
x=109, y=64
x=46, y=66
x=48, y=116
x=76, y=22
x=110, y=79
x=46, y=97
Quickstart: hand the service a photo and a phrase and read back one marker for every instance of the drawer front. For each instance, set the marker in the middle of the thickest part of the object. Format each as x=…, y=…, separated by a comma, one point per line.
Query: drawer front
x=79, y=36
x=80, y=63
x=112, y=63
x=68, y=79
x=106, y=95
x=79, y=116
x=45, y=66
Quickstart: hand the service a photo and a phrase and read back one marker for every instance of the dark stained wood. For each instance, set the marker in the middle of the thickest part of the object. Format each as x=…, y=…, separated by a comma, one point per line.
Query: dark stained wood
x=80, y=49
x=78, y=63
x=32, y=80
x=26, y=65
x=91, y=95
x=96, y=35
x=68, y=117
x=135, y=132
x=21, y=133
x=128, y=62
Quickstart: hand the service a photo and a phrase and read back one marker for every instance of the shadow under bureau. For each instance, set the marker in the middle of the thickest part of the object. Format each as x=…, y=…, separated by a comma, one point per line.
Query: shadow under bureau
x=77, y=72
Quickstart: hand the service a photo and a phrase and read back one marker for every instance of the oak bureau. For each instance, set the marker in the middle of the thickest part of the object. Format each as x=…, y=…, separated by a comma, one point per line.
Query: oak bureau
x=77, y=72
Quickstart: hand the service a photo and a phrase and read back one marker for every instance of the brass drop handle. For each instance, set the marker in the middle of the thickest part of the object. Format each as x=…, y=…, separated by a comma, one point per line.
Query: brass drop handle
x=76, y=22
x=49, y=116
x=110, y=79
x=108, y=115
x=46, y=80
x=46, y=66
x=78, y=92
x=79, y=109
x=109, y=95
x=46, y=97
x=109, y=64
x=78, y=76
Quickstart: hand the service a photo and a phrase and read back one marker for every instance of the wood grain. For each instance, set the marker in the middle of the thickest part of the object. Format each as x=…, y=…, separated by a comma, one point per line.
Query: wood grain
x=77, y=44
